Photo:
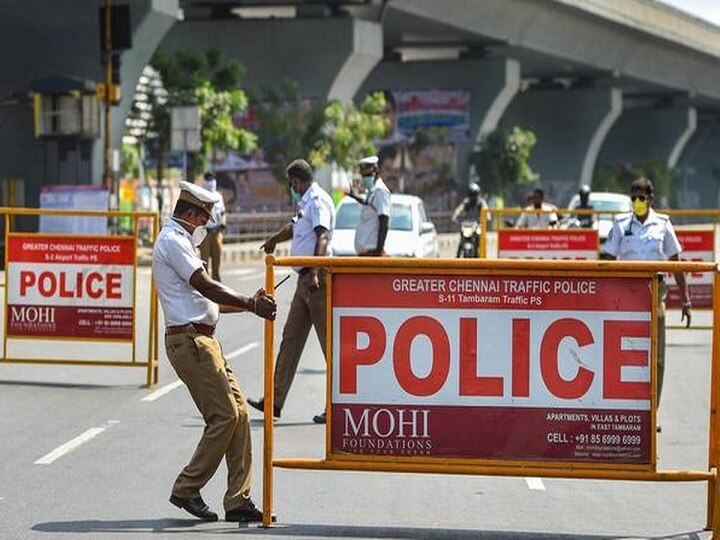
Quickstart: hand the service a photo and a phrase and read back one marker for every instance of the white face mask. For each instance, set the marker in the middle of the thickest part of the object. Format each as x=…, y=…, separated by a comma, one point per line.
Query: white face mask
x=199, y=232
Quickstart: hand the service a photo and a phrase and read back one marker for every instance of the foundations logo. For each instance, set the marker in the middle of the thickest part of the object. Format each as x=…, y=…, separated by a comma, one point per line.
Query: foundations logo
x=386, y=431
x=32, y=318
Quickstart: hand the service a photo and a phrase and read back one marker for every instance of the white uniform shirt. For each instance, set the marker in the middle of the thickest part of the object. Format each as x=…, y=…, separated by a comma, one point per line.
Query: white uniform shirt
x=378, y=204
x=631, y=240
x=174, y=260
x=218, y=212
x=315, y=209
x=531, y=219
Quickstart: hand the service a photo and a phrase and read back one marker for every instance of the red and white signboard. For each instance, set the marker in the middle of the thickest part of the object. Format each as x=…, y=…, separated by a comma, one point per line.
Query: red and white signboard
x=697, y=246
x=547, y=244
x=70, y=287
x=503, y=367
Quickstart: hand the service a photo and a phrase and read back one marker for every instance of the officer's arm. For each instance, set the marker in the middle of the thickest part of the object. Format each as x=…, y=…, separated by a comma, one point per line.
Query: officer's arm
x=685, y=291
x=321, y=248
x=283, y=235
x=384, y=223
x=231, y=301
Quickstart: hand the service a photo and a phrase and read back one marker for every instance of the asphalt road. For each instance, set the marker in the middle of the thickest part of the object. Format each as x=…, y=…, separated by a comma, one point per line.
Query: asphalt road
x=130, y=443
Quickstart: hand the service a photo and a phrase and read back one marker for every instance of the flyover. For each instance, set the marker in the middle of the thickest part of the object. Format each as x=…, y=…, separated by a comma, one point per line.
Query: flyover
x=598, y=81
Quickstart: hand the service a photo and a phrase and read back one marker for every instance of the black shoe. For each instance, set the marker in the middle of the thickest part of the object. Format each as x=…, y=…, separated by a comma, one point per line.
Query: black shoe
x=259, y=404
x=319, y=418
x=247, y=513
x=196, y=507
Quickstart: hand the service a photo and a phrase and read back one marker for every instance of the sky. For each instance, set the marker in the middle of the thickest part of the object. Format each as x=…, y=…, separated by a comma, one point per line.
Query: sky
x=704, y=9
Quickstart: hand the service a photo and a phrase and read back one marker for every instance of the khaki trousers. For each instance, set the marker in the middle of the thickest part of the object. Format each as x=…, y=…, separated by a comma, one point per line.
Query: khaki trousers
x=306, y=309
x=198, y=361
x=211, y=253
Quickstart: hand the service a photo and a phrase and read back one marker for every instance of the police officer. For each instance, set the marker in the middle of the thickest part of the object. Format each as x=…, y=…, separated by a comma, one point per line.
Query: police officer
x=645, y=235
x=191, y=302
x=311, y=232
x=374, y=223
x=211, y=247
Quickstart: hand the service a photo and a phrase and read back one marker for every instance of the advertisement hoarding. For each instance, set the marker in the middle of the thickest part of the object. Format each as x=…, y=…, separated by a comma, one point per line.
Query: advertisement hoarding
x=541, y=367
x=70, y=287
x=577, y=244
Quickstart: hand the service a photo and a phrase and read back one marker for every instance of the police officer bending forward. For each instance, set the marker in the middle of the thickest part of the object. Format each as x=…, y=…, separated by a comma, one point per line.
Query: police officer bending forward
x=192, y=302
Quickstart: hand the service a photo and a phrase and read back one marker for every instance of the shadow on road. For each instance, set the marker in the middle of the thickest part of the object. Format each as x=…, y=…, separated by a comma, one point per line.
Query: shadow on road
x=168, y=525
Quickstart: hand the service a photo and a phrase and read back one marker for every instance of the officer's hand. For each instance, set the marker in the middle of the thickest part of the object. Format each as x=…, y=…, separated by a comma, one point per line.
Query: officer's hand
x=264, y=305
x=314, y=282
x=686, y=314
x=268, y=246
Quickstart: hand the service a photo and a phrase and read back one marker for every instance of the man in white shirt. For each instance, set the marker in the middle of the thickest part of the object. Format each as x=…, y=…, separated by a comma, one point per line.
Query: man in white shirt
x=645, y=235
x=211, y=247
x=374, y=223
x=311, y=233
x=192, y=302
x=539, y=214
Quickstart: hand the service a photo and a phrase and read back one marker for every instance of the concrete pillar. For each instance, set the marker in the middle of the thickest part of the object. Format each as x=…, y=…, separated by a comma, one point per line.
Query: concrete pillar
x=329, y=58
x=570, y=126
x=699, y=167
x=649, y=134
x=68, y=44
x=492, y=84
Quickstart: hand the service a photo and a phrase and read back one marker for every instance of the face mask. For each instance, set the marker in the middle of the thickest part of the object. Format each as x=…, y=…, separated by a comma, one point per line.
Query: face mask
x=199, y=232
x=368, y=182
x=295, y=195
x=640, y=207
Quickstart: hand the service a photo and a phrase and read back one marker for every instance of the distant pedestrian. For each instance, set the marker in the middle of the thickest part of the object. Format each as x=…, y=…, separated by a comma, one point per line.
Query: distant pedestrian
x=539, y=214
x=211, y=247
x=311, y=233
x=372, y=229
x=191, y=302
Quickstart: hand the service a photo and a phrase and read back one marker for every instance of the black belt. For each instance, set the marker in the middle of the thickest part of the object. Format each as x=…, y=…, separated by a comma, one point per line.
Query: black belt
x=214, y=230
x=303, y=271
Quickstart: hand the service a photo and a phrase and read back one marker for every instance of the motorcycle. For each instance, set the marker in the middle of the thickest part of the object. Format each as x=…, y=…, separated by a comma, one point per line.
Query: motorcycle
x=469, y=240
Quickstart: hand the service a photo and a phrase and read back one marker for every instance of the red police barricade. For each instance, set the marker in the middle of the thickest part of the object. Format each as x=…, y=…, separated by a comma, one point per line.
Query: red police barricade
x=551, y=363
x=75, y=288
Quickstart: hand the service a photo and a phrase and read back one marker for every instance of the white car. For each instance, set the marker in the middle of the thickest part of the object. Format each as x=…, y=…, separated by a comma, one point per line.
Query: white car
x=604, y=201
x=411, y=233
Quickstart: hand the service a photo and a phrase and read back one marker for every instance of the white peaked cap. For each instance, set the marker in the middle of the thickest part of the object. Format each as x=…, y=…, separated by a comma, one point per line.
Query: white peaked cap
x=370, y=160
x=199, y=196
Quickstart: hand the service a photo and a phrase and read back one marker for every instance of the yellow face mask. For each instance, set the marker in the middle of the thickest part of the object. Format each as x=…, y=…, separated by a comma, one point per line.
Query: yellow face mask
x=640, y=208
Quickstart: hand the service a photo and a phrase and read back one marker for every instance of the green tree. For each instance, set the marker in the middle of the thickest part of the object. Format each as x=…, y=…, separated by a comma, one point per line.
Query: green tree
x=618, y=177
x=287, y=126
x=348, y=132
x=211, y=81
x=502, y=160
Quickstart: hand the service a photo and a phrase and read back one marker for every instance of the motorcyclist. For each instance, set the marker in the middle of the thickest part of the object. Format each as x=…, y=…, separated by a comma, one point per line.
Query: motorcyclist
x=469, y=210
x=585, y=220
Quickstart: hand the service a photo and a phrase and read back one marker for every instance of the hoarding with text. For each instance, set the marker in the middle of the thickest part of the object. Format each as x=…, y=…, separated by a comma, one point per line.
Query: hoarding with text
x=532, y=367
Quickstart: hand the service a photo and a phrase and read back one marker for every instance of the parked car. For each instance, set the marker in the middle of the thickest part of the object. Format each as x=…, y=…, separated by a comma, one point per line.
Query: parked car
x=411, y=233
x=604, y=201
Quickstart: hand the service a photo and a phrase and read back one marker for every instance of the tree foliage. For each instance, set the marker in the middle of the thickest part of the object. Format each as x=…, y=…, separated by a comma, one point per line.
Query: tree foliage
x=212, y=82
x=502, y=160
x=618, y=178
x=287, y=125
x=348, y=132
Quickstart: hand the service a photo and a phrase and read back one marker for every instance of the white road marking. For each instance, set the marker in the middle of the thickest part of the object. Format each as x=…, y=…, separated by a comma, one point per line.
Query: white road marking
x=535, y=483
x=72, y=444
x=160, y=392
x=242, y=350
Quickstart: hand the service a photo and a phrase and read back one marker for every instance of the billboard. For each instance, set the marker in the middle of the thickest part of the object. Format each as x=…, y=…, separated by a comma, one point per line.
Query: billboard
x=532, y=367
x=70, y=287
